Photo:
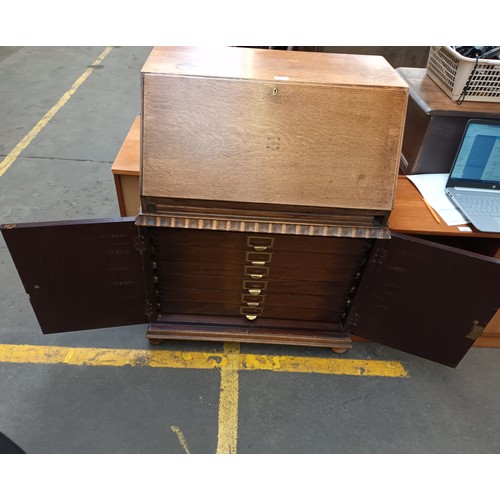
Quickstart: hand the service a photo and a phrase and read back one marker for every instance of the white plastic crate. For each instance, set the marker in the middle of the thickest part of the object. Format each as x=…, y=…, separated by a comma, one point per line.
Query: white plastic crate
x=451, y=72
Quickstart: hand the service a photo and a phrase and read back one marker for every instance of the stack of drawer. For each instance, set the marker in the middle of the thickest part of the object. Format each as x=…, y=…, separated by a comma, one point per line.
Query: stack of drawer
x=255, y=276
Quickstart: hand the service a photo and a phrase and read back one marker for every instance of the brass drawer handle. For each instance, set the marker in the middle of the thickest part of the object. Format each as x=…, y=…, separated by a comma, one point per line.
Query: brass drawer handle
x=254, y=284
x=250, y=310
x=260, y=243
x=254, y=291
x=259, y=259
x=252, y=300
x=250, y=313
x=256, y=273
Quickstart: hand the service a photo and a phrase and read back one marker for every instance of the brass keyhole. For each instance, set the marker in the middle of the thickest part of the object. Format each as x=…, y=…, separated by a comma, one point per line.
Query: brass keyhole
x=275, y=91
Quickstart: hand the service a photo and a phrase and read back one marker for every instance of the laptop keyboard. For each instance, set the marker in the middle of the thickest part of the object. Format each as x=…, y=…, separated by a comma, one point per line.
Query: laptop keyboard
x=481, y=206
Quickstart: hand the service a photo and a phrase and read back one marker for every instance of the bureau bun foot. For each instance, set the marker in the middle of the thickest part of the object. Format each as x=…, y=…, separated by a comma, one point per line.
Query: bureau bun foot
x=338, y=350
x=156, y=341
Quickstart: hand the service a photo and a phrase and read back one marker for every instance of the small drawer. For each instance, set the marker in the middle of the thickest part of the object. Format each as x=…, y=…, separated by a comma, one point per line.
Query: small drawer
x=210, y=282
x=200, y=308
x=189, y=238
x=200, y=295
x=184, y=267
x=300, y=314
x=305, y=301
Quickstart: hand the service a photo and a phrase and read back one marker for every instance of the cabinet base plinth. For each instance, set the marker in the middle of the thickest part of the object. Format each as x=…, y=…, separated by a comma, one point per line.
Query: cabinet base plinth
x=159, y=332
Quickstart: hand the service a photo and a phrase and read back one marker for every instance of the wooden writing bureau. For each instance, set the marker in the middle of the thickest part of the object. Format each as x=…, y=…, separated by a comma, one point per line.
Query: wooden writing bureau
x=208, y=258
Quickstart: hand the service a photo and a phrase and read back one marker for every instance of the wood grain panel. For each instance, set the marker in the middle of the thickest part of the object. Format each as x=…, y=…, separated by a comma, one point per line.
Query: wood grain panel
x=271, y=142
x=81, y=274
x=425, y=298
x=259, y=64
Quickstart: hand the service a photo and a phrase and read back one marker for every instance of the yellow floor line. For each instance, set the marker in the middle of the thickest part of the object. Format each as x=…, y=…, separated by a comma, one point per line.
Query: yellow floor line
x=227, y=437
x=92, y=356
x=330, y=366
x=25, y=142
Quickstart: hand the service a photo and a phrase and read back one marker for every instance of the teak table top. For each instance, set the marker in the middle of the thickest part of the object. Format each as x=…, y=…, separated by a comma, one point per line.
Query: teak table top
x=411, y=216
x=128, y=159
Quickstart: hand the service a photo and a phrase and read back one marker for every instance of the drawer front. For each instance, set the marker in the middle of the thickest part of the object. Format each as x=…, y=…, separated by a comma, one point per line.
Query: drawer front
x=166, y=239
x=236, y=283
x=244, y=298
x=251, y=313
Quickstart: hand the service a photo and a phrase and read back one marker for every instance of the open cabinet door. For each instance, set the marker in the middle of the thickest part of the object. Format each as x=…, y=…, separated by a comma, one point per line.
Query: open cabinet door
x=425, y=298
x=81, y=274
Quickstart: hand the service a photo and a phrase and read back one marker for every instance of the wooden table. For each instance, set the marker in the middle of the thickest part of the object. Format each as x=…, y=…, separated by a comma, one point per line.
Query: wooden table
x=126, y=171
x=409, y=216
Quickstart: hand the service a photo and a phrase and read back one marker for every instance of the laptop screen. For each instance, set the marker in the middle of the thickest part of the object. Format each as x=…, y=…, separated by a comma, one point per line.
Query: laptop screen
x=477, y=163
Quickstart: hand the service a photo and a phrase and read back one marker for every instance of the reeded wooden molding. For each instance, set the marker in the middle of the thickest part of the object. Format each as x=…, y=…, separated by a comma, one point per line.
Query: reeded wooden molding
x=252, y=226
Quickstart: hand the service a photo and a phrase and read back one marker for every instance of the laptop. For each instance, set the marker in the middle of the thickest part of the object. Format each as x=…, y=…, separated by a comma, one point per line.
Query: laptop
x=474, y=181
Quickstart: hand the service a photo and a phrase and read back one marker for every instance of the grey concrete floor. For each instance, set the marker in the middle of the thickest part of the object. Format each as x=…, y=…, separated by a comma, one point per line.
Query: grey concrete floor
x=65, y=174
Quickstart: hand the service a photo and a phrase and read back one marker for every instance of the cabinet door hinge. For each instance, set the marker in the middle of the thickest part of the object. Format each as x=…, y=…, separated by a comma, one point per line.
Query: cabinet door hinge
x=148, y=309
x=140, y=243
x=476, y=331
x=352, y=321
x=379, y=256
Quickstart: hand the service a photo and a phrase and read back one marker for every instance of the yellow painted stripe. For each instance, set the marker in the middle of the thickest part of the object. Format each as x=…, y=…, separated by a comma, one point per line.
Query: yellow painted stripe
x=13, y=353
x=227, y=437
x=109, y=357
x=26, y=140
x=330, y=366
